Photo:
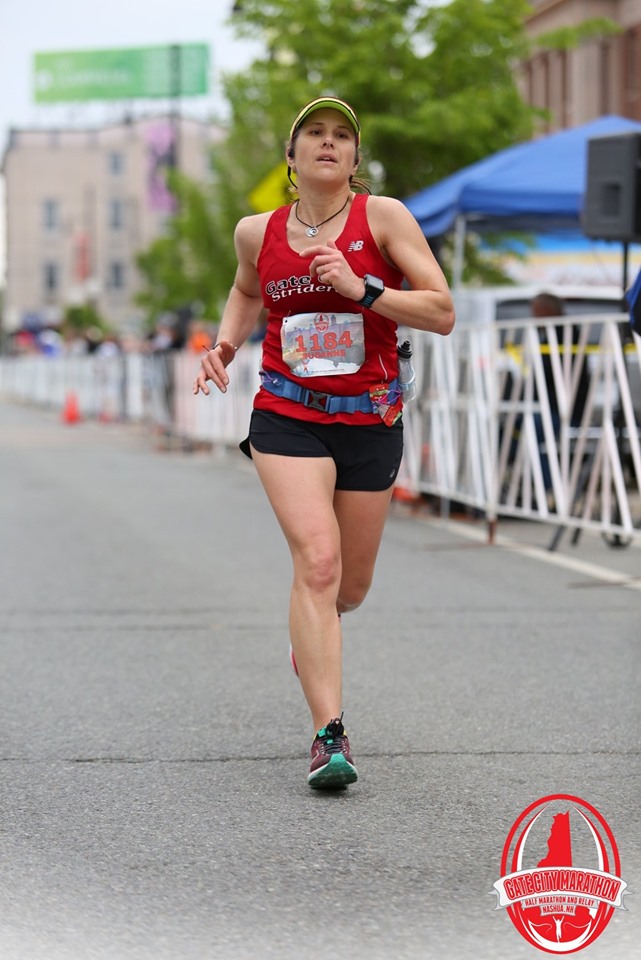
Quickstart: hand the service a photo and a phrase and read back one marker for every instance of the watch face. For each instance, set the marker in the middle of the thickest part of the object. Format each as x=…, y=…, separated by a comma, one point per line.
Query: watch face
x=374, y=286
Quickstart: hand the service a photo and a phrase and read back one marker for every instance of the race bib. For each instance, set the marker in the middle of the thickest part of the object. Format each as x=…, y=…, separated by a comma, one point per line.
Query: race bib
x=323, y=344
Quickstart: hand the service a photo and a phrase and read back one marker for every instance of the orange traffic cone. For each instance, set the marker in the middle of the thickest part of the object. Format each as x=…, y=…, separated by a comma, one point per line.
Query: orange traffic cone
x=71, y=411
x=405, y=495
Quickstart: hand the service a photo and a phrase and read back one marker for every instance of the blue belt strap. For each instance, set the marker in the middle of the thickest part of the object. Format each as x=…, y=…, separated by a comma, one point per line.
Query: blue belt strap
x=326, y=402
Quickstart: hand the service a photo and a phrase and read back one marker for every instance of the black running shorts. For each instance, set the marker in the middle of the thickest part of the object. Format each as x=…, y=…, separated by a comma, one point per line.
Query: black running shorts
x=366, y=457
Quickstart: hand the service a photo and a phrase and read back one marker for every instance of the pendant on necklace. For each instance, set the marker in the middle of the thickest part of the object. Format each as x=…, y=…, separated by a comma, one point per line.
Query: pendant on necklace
x=311, y=231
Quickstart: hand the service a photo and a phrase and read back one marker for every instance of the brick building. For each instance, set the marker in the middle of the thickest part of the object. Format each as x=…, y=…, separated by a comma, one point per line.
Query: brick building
x=599, y=77
x=81, y=203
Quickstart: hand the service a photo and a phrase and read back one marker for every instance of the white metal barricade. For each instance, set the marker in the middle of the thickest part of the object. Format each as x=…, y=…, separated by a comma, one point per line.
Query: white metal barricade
x=482, y=432
x=102, y=387
x=491, y=439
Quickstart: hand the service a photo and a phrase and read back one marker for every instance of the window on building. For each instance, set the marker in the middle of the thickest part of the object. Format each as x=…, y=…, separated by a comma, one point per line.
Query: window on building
x=545, y=84
x=605, y=84
x=50, y=277
x=529, y=85
x=116, y=277
x=116, y=214
x=631, y=83
x=50, y=214
x=565, y=91
x=116, y=163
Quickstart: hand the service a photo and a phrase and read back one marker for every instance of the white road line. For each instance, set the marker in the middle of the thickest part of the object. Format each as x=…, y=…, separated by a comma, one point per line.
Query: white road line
x=605, y=574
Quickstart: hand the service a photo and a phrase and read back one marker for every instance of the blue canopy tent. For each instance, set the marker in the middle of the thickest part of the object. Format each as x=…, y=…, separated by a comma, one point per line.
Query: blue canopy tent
x=536, y=187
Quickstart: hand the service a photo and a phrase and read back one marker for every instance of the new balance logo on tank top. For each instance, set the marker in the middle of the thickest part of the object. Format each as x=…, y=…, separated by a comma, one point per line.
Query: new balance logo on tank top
x=289, y=290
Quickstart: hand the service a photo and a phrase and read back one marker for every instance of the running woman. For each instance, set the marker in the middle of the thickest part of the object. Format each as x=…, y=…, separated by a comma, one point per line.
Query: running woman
x=336, y=271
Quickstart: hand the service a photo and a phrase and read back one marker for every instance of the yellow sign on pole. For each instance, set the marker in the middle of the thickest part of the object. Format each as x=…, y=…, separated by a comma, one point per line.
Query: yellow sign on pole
x=271, y=192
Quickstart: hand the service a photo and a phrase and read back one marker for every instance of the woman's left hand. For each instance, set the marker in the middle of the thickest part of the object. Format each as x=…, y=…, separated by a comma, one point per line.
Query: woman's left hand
x=332, y=269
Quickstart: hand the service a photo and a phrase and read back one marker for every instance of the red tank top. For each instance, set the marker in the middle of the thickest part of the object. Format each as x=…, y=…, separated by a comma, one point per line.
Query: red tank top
x=287, y=288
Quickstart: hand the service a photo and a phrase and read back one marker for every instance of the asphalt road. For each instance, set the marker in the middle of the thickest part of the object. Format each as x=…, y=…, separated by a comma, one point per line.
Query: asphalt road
x=154, y=742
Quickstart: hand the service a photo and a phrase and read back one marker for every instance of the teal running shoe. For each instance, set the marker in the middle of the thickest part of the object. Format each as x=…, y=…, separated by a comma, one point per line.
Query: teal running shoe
x=332, y=766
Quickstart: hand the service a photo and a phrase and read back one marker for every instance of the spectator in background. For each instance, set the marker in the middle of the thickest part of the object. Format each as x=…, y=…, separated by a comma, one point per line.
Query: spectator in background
x=75, y=344
x=199, y=339
x=50, y=341
x=24, y=341
x=544, y=306
x=94, y=337
x=163, y=336
x=109, y=347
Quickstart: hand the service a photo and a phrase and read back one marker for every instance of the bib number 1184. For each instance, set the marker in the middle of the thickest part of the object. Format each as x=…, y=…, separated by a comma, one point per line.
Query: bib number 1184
x=327, y=341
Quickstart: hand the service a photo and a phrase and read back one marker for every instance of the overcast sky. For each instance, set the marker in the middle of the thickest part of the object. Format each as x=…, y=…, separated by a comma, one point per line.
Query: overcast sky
x=31, y=26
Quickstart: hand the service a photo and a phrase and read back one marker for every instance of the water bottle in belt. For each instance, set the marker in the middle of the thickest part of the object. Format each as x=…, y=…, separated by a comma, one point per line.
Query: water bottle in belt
x=406, y=374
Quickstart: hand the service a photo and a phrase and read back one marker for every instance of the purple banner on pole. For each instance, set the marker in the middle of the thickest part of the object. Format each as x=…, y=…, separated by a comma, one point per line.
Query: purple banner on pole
x=161, y=155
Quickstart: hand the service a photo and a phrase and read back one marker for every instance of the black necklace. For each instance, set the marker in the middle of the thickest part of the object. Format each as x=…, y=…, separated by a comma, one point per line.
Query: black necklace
x=313, y=230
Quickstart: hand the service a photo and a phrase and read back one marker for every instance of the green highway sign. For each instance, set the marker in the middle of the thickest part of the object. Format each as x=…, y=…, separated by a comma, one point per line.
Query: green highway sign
x=130, y=73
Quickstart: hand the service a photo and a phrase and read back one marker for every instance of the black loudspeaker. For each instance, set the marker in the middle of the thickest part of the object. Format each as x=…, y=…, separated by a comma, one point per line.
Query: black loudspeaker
x=612, y=205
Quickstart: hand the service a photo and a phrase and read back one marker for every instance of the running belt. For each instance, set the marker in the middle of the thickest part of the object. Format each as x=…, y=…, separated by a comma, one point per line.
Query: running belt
x=280, y=386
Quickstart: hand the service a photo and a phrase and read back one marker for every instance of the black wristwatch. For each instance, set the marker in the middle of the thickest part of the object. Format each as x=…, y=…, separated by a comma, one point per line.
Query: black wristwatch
x=374, y=287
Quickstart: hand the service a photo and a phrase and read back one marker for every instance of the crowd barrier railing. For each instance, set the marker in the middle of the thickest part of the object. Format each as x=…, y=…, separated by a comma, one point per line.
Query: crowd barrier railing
x=484, y=431
x=108, y=388
x=487, y=433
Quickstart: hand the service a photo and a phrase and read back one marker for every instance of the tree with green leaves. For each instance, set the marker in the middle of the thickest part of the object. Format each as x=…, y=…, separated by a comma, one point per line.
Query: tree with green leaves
x=434, y=86
x=194, y=260
x=80, y=318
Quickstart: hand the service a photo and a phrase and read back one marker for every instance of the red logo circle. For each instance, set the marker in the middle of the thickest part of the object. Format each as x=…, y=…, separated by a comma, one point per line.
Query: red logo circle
x=563, y=901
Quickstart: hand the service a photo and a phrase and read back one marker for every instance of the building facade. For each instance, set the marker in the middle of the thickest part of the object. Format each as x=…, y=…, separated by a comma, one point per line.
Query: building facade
x=600, y=76
x=81, y=203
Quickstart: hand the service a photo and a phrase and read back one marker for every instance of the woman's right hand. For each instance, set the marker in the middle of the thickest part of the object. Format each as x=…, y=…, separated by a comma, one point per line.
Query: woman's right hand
x=213, y=367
